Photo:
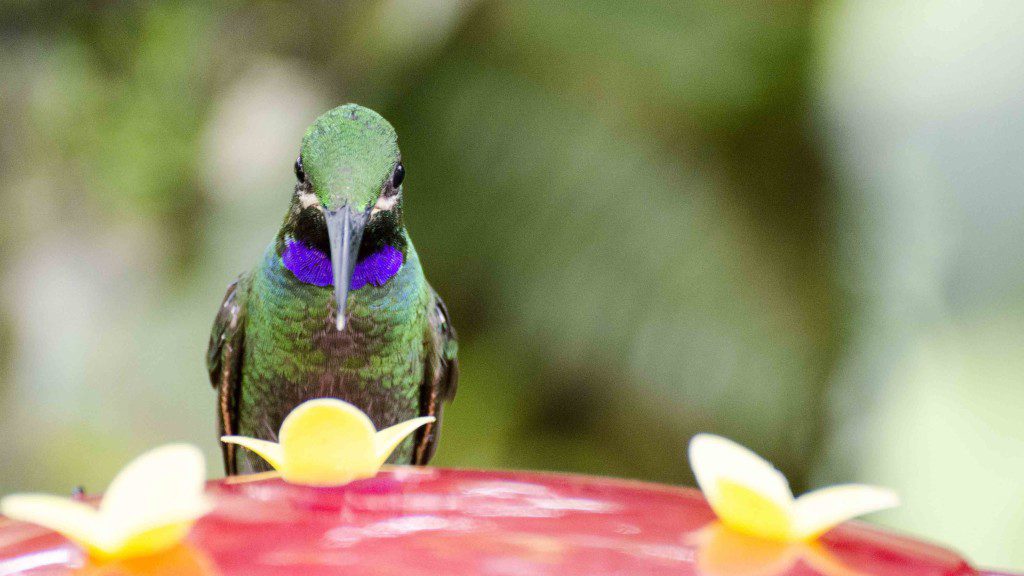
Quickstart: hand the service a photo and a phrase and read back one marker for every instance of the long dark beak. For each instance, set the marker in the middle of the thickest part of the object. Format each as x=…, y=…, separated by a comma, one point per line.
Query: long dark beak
x=345, y=232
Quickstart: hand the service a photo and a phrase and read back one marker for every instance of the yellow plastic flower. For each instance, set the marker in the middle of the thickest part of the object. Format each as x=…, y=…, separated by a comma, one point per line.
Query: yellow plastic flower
x=328, y=442
x=750, y=496
x=149, y=507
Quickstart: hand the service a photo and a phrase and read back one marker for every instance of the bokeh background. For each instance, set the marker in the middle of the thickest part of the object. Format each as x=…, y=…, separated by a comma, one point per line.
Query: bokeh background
x=798, y=224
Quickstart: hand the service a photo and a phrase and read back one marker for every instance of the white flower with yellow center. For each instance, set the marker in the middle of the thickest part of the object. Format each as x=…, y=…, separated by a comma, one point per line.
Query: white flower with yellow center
x=750, y=496
x=328, y=442
x=149, y=507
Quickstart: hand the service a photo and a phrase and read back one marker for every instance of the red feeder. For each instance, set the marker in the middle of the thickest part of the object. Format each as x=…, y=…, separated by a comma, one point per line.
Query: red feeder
x=431, y=521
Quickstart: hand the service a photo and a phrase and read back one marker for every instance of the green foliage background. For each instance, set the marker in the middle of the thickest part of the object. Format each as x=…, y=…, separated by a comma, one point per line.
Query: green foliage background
x=793, y=223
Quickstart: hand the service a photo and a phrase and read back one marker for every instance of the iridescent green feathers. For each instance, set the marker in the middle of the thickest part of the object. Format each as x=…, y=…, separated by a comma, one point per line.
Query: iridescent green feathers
x=347, y=154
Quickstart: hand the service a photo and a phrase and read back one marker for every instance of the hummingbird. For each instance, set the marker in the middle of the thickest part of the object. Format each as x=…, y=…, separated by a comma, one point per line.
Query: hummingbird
x=338, y=306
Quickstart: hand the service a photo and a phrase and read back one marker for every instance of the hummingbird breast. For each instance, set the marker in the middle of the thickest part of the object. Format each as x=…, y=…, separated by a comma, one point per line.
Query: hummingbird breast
x=293, y=351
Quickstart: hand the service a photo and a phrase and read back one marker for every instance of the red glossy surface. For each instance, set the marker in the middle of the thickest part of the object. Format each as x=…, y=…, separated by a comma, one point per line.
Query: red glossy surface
x=436, y=521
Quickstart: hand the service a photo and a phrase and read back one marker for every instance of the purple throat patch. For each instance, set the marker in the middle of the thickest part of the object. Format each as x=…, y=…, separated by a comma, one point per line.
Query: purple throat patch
x=312, y=266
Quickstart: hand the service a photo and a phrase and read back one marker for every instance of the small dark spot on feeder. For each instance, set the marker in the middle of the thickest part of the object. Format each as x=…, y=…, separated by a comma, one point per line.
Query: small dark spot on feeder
x=78, y=493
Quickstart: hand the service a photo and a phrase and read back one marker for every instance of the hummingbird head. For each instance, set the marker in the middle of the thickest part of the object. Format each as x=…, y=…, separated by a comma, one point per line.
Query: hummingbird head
x=347, y=203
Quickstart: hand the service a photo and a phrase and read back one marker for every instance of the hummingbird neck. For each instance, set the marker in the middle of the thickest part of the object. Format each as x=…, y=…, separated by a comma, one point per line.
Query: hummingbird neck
x=311, y=266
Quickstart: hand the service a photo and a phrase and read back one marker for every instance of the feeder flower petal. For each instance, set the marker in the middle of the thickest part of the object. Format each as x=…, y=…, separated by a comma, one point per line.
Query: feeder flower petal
x=329, y=442
x=750, y=496
x=149, y=507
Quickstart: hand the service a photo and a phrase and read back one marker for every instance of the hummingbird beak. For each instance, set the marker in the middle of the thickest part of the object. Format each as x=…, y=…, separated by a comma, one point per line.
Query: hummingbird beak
x=345, y=232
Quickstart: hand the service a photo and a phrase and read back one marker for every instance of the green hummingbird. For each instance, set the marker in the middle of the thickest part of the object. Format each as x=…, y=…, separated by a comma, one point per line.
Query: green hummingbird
x=338, y=306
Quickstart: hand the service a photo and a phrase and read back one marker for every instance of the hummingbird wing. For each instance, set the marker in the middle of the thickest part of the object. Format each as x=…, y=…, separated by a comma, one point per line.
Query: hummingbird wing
x=441, y=378
x=224, y=361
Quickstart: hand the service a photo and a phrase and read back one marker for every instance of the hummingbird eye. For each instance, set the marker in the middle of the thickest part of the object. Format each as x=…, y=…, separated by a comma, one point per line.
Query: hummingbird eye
x=398, y=176
x=298, y=170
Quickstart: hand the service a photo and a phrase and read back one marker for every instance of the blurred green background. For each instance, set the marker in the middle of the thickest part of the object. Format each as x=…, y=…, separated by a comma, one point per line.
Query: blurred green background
x=797, y=224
